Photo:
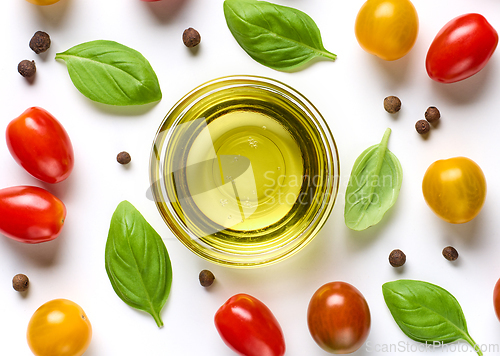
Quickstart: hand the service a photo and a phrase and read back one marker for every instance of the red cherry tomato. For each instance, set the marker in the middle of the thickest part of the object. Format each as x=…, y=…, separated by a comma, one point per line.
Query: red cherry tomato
x=461, y=49
x=30, y=214
x=39, y=143
x=248, y=327
x=338, y=318
x=496, y=299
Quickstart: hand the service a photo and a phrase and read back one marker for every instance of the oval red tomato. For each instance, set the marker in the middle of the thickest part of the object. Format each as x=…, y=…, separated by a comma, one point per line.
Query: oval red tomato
x=248, y=327
x=30, y=214
x=496, y=299
x=461, y=49
x=40, y=144
x=338, y=318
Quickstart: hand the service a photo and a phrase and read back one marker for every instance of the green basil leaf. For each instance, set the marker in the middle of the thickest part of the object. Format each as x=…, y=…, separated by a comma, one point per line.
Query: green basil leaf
x=426, y=312
x=276, y=36
x=111, y=73
x=137, y=262
x=373, y=187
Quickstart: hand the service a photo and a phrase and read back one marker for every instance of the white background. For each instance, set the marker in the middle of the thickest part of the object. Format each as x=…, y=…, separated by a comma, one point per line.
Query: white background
x=349, y=93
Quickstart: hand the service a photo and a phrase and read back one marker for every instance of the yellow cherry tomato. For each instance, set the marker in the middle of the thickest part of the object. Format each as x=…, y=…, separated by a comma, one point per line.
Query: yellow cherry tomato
x=59, y=328
x=387, y=28
x=455, y=189
x=43, y=2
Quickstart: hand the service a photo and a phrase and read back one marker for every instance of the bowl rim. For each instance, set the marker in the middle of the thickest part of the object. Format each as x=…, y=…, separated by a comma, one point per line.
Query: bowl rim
x=172, y=220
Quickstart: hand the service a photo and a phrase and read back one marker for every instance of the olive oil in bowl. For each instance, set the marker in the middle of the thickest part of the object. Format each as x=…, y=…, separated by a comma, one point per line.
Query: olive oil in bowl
x=244, y=171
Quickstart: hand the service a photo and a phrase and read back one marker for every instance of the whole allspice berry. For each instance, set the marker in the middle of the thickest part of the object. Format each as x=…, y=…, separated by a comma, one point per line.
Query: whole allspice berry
x=450, y=253
x=20, y=282
x=432, y=114
x=26, y=68
x=422, y=127
x=397, y=258
x=207, y=278
x=123, y=158
x=191, y=37
x=40, y=42
x=392, y=104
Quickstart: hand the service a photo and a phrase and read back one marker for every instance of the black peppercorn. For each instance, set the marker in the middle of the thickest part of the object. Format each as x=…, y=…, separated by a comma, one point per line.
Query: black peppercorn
x=26, y=68
x=450, y=253
x=123, y=158
x=392, y=104
x=206, y=278
x=397, y=258
x=422, y=127
x=20, y=282
x=432, y=114
x=191, y=37
x=40, y=42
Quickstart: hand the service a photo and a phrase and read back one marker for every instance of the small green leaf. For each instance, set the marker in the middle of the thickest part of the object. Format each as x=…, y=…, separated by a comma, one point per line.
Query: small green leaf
x=137, y=262
x=276, y=36
x=426, y=312
x=111, y=73
x=373, y=187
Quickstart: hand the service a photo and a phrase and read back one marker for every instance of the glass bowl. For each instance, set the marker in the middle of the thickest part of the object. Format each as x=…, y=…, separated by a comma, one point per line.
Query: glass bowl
x=244, y=170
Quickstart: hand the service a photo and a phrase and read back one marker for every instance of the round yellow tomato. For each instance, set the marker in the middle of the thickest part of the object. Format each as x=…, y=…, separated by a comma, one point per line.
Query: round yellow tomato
x=387, y=28
x=455, y=189
x=59, y=328
x=43, y=2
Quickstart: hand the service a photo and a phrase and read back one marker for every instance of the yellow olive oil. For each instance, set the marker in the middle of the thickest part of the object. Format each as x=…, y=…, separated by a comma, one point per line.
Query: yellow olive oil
x=253, y=161
x=244, y=170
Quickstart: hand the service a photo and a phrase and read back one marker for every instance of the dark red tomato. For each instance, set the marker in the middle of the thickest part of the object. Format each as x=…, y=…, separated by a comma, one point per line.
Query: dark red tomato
x=248, y=327
x=39, y=143
x=338, y=318
x=496, y=299
x=461, y=49
x=30, y=214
